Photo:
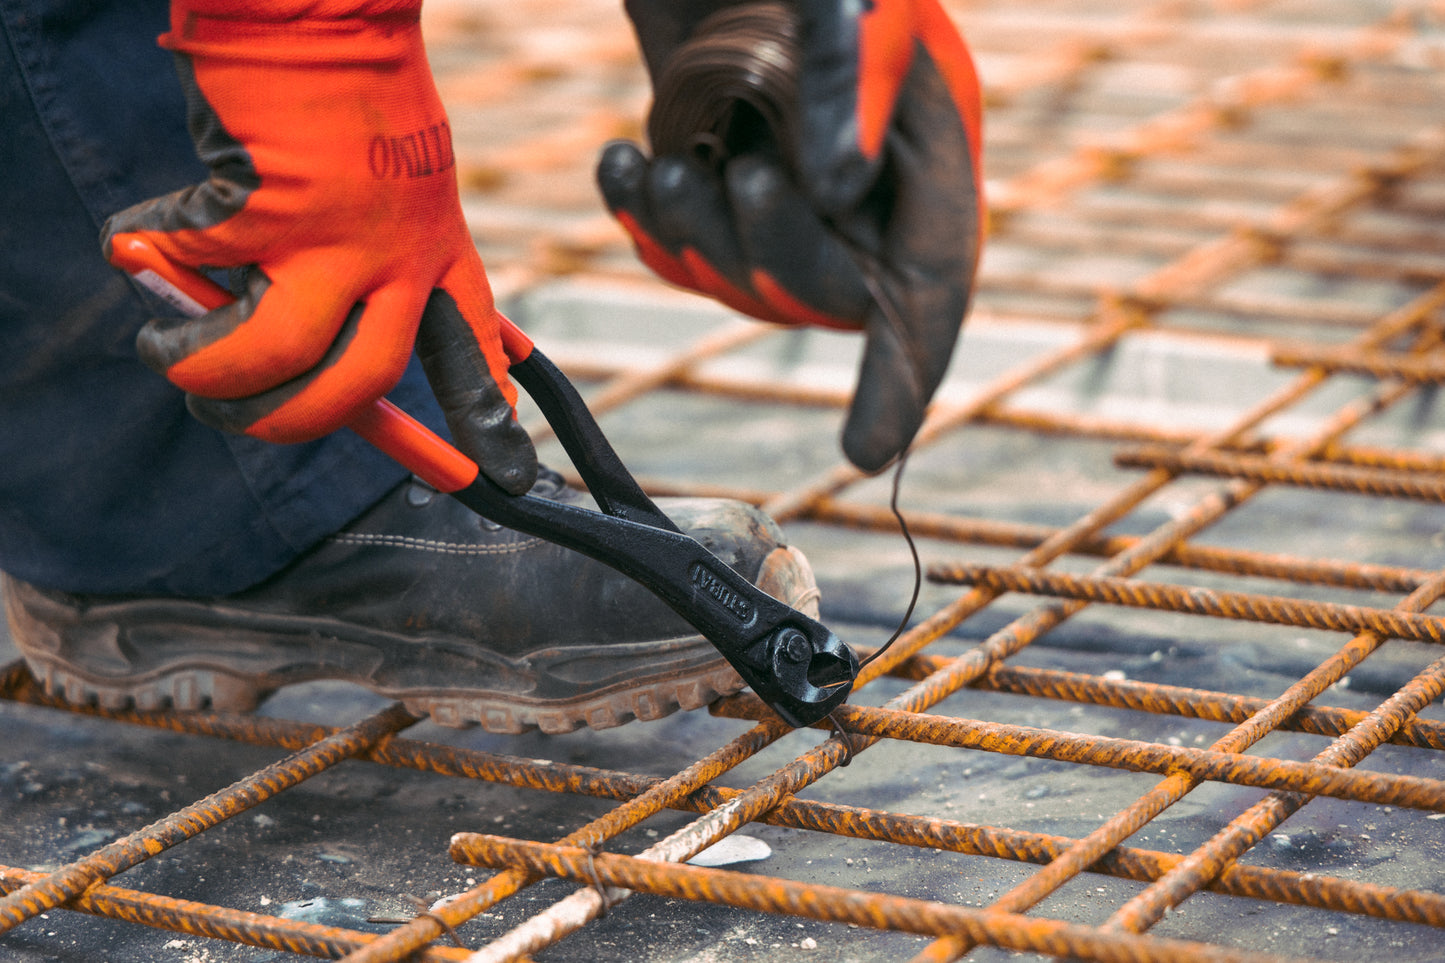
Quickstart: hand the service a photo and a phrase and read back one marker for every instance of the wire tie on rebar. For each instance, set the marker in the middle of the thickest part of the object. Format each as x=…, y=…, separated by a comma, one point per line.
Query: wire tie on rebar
x=596, y=878
x=843, y=736
x=423, y=910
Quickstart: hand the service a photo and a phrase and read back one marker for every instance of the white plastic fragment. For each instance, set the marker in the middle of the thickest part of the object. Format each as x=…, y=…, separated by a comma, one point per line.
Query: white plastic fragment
x=450, y=898
x=732, y=849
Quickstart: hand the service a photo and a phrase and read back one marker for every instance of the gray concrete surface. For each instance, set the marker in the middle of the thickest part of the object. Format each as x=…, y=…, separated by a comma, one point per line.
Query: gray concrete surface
x=351, y=844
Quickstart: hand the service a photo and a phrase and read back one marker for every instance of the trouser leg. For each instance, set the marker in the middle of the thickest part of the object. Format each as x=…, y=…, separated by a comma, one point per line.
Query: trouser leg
x=108, y=485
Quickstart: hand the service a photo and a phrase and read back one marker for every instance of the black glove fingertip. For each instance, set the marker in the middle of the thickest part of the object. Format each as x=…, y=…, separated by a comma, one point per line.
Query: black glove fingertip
x=621, y=174
x=160, y=343
x=482, y=423
x=488, y=433
x=889, y=404
x=166, y=341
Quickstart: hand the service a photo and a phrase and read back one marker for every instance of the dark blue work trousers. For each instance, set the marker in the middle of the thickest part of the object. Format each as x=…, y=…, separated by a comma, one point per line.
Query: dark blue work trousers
x=107, y=484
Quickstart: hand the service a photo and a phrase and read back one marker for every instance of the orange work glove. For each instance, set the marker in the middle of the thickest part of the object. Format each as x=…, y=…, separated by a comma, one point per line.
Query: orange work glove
x=333, y=181
x=868, y=218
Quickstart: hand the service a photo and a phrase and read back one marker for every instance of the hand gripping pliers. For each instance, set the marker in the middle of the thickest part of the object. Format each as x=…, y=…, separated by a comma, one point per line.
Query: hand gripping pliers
x=794, y=663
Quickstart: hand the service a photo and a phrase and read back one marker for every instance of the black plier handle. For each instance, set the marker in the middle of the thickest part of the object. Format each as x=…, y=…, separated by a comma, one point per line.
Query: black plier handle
x=793, y=662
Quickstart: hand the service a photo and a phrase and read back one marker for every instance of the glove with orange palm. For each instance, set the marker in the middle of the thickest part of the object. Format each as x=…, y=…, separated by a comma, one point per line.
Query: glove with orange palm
x=333, y=181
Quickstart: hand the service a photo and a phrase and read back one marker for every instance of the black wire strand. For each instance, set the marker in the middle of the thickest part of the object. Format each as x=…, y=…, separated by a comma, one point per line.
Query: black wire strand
x=912, y=551
x=872, y=270
x=839, y=733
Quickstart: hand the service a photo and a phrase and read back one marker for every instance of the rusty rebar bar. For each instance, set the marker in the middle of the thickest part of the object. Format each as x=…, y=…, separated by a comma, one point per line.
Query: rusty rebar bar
x=217, y=922
x=424, y=929
x=1394, y=459
x=1182, y=701
x=1378, y=482
x=1376, y=364
x=1256, y=882
x=1163, y=699
x=1246, y=606
x=17, y=684
x=1174, y=787
x=1013, y=534
x=1386, y=789
x=1206, y=862
x=831, y=903
x=1140, y=864
x=69, y=881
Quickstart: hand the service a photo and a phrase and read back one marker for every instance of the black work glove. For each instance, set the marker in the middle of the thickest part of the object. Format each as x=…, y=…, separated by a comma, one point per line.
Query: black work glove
x=866, y=215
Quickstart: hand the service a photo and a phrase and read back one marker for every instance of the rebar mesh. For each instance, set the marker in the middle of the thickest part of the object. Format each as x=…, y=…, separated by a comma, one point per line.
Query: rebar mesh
x=1189, y=467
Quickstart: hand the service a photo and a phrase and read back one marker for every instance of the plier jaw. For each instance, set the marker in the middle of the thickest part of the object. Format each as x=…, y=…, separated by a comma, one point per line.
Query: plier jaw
x=792, y=662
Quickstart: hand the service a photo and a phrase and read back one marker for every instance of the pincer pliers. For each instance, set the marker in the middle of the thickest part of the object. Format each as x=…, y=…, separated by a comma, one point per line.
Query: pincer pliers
x=792, y=662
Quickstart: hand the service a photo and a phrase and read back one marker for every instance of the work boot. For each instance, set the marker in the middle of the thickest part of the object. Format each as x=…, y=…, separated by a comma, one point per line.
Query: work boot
x=423, y=601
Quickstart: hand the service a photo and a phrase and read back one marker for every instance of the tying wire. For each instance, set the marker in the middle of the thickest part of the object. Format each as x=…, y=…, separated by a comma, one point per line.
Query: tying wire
x=913, y=553
x=422, y=910
x=840, y=733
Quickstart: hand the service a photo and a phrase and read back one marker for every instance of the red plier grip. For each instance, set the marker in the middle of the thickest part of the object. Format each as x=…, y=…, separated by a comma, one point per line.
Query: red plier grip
x=415, y=446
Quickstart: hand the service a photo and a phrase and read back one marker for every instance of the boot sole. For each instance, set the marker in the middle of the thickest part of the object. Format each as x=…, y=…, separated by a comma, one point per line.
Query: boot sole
x=157, y=654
